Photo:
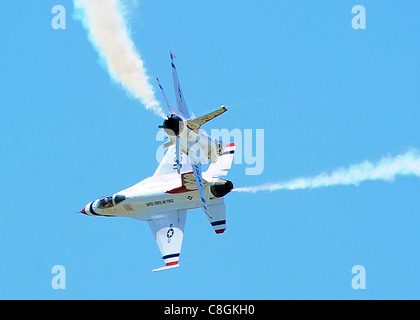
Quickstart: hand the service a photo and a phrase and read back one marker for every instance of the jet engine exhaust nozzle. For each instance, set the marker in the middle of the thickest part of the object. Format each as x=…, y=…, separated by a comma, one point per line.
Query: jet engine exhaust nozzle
x=220, y=189
x=173, y=125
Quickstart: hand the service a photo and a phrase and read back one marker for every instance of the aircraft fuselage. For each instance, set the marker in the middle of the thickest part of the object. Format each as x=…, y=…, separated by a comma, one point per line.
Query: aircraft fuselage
x=148, y=198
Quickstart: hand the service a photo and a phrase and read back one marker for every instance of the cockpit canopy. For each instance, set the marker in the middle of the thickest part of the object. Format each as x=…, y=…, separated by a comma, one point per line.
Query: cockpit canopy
x=110, y=201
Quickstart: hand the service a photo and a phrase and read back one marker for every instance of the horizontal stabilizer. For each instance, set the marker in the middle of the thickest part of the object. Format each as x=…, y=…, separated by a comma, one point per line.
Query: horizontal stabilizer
x=168, y=144
x=195, y=124
x=217, y=209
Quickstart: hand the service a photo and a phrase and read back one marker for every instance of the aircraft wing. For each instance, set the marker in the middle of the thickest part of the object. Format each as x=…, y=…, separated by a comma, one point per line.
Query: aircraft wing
x=168, y=163
x=170, y=108
x=168, y=230
x=180, y=101
x=196, y=166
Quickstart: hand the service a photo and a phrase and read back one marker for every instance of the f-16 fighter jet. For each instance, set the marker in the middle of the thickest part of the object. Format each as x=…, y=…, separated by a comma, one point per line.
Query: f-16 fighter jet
x=178, y=184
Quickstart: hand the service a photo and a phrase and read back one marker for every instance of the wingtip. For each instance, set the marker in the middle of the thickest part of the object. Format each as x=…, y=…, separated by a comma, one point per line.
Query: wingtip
x=166, y=268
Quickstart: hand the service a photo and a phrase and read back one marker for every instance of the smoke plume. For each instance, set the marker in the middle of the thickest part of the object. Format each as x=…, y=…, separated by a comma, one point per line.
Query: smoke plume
x=386, y=169
x=109, y=35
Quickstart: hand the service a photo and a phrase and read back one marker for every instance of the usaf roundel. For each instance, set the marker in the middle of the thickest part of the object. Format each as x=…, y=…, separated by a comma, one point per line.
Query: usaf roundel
x=170, y=233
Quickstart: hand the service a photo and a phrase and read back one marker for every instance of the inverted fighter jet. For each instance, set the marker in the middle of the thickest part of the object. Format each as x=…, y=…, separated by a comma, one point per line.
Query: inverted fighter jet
x=178, y=184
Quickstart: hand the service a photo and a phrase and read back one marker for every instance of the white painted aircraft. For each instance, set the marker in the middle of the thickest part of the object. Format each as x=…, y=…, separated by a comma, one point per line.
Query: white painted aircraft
x=178, y=184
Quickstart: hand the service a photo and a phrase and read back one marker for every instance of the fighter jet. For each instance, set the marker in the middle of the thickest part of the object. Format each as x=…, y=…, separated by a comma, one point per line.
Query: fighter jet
x=178, y=184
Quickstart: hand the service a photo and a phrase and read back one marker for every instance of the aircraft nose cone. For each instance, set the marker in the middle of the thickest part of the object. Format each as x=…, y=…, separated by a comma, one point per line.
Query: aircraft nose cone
x=83, y=211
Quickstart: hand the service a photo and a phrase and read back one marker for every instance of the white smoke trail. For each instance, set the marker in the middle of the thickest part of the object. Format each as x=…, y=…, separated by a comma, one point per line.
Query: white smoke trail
x=109, y=35
x=386, y=169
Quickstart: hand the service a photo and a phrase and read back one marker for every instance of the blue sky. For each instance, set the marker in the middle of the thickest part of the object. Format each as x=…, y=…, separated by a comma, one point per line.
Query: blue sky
x=325, y=94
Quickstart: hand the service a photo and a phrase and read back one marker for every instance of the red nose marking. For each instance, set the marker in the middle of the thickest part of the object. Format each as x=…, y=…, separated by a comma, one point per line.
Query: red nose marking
x=83, y=210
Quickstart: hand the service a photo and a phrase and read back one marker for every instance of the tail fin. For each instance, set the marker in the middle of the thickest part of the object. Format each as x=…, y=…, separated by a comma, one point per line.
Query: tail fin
x=223, y=164
x=180, y=101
